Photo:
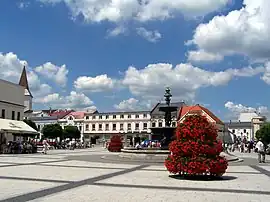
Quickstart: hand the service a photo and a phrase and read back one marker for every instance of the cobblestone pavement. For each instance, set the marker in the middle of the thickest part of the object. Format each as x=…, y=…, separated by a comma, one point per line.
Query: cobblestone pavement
x=82, y=175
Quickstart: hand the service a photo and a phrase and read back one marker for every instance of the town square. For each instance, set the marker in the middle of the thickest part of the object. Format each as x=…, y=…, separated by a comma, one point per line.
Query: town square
x=134, y=100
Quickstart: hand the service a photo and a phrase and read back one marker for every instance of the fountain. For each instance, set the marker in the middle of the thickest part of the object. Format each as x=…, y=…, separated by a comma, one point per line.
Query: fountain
x=165, y=134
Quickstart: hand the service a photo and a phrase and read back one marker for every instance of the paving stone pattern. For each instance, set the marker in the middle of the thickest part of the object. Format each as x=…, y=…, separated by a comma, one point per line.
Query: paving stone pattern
x=83, y=175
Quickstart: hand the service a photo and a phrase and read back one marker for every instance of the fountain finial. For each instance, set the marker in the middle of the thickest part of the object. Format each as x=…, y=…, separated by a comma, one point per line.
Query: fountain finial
x=168, y=95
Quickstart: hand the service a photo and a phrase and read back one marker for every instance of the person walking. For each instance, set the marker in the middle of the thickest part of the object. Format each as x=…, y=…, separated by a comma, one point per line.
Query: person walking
x=261, y=151
x=45, y=146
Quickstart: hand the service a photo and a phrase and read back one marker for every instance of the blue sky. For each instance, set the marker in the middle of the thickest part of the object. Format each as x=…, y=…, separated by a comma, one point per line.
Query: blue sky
x=119, y=55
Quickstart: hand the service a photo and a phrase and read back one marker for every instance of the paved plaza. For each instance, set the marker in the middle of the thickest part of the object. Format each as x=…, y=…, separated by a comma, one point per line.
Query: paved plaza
x=84, y=175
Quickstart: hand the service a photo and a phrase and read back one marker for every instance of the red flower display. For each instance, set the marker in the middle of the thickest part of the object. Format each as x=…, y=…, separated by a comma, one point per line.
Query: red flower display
x=196, y=150
x=115, y=144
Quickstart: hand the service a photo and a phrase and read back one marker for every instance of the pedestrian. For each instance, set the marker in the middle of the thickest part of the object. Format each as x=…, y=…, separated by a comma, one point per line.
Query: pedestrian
x=261, y=151
x=45, y=146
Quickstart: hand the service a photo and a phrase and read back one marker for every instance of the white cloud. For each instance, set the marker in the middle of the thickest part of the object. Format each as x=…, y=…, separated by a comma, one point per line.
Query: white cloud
x=133, y=104
x=151, y=36
x=202, y=56
x=245, y=31
x=236, y=109
x=142, y=10
x=117, y=31
x=53, y=72
x=11, y=68
x=184, y=79
x=23, y=5
x=94, y=84
x=73, y=100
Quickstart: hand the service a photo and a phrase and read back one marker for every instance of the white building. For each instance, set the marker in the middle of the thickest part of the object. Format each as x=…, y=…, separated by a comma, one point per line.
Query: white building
x=12, y=100
x=246, y=126
x=73, y=119
x=129, y=124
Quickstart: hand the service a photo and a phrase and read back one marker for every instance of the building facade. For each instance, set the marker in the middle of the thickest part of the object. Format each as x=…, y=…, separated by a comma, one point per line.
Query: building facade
x=12, y=100
x=129, y=124
x=246, y=126
x=74, y=119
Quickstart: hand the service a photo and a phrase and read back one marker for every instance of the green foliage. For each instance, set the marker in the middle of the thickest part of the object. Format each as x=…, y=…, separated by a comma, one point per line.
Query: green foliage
x=71, y=132
x=31, y=124
x=264, y=133
x=52, y=131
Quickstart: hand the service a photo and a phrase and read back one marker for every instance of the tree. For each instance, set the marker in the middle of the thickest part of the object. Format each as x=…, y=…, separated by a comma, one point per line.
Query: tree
x=71, y=132
x=52, y=131
x=264, y=133
x=31, y=124
x=196, y=150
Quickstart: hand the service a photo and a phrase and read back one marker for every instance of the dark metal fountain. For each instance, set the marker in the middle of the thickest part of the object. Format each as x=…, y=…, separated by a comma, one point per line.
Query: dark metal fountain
x=166, y=133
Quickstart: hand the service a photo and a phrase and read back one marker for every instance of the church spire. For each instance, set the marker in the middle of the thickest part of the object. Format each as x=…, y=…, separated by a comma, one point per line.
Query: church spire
x=24, y=82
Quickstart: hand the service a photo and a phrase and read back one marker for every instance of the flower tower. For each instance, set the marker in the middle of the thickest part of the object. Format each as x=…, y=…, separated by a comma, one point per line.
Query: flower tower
x=196, y=150
x=115, y=144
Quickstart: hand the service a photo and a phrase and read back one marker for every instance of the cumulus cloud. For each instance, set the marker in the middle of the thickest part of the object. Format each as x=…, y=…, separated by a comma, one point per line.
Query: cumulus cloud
x=151, y=36
x=133, y=104
x=73, y=100
x=143, y=10
x=11, y=68
x=94, y=84
x=245, y=31
x=202, y=56
x=184, y=79
x=54, y=73
x=236, y=109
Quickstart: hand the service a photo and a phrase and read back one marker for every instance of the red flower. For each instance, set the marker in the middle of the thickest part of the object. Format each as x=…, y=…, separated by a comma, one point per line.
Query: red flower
x=196, y=149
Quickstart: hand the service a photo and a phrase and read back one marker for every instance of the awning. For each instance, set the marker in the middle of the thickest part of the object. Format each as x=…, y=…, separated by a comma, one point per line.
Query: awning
x=12, y=126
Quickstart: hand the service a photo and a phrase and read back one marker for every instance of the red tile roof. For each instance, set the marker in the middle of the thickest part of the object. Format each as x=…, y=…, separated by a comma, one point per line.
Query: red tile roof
x=60, y=113
x=198, y=109
x=77, y=115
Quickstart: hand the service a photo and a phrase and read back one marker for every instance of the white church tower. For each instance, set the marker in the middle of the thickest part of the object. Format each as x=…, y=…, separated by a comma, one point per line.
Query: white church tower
x=27, y=94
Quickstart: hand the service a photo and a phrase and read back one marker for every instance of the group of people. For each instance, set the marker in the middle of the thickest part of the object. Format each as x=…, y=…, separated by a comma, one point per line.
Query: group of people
x=245, y=146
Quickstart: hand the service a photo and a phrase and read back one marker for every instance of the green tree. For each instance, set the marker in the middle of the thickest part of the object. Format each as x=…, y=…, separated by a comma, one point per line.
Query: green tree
x=71, y=132
x=52, y=131
x=264, y=133
x=31, y=124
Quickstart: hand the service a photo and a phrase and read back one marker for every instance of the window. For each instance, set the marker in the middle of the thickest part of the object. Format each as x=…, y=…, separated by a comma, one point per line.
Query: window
x=114, y=116
x=70, y=118
x=233, y=131
x=3, y=115
x=107, y=127
x=13, y=115
x=129, y=126
x=245, y=130
x=86, y=127
x=94, y=117
x=100, y=117
x=114, y=126
x=80, y=128
x=107, y=116
x=38, y=126
x=18, y=116
x=99, y=126
x=122, y=116
x=160, y=124
x=153, y=124
x=144, y=115
x=87, y=117
x=129, y=116
x=173, y=124
x=93, y=127
x=121, y=126
x=137, y=116
x=137, y=125
x=144, y=126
